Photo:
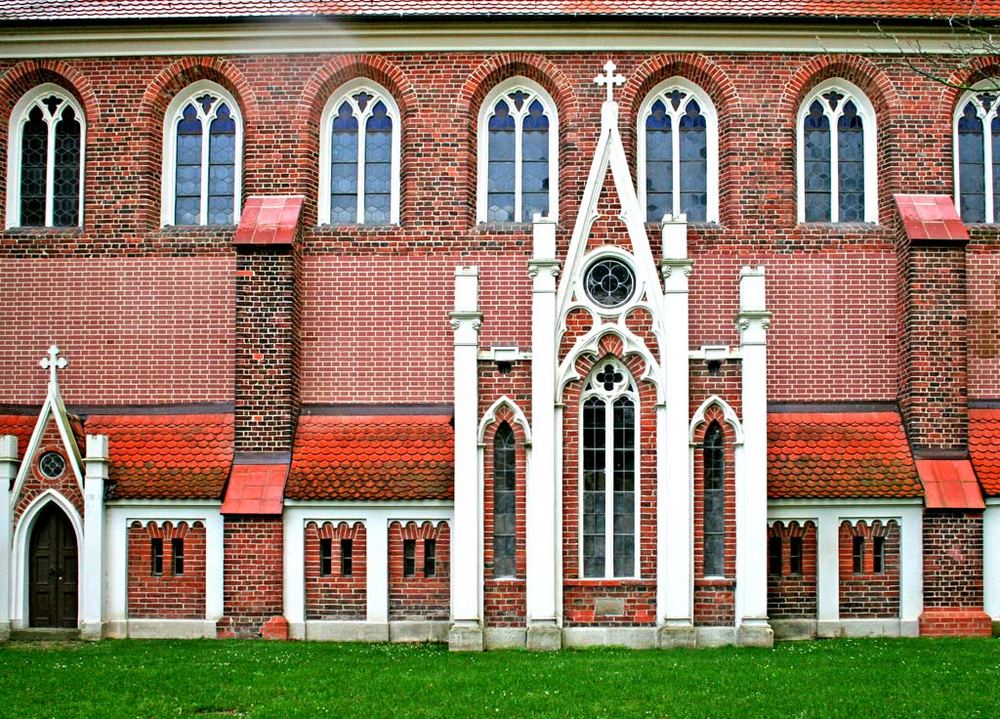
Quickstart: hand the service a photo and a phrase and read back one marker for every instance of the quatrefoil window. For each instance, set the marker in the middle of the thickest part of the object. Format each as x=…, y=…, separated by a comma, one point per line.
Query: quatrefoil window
x=609, y=377
x=52, y=465
x=610, y=282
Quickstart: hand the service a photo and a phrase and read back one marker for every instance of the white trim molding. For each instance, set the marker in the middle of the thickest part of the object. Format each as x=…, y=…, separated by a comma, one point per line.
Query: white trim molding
x=986, y=101
x=833, y=111
x=691, y=93
x=172, y=116
x=533, y=91
x=18, y=119
x=348, y=93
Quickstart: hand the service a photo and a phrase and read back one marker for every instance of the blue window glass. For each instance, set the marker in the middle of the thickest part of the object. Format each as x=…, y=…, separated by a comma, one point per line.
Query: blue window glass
x=34, y=161
x=816, y=166
x=221, y=167
x=659, y=163
x=594, y=466
x=504, y=503
x=378, y=165
x=971, y=167
x=344, y=167
x=714, y=502
x=694, y=163
x=623, y=430
x=535, y=162
x=66, y=180
x=851, y=164
x=501, y=166
x=187, y=181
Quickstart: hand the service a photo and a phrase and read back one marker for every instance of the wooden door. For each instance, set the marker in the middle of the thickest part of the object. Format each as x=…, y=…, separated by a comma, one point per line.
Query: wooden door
x=52, y=567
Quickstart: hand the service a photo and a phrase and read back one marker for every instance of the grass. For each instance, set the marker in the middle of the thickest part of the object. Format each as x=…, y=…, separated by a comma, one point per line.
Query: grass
x=840, y=678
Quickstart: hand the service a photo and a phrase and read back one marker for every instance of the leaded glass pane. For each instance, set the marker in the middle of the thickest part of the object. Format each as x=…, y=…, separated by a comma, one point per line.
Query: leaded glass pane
x=66, y=186
x=694, y=163
x=816, y=167
x=344, y=167
x=221, y=167
x=501, y=166
x=504, y=502
x=187, y=182
x=971, y=169
x=851, y=165
x=594, y=411
x=378, y=165
x=659, y=163
x=34, y=159
x=714, y=501
x=623, y=431
x=610, y=283
x=995, y=131
x=534, y=163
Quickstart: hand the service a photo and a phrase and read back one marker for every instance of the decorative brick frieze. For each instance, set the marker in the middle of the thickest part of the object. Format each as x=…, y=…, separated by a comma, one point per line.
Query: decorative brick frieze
x=873, y=590
x=336, y=583
x=415, y=594
x=166, y=590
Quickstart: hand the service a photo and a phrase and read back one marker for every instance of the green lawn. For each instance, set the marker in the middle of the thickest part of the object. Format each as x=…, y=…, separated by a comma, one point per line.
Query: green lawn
x=842, y=678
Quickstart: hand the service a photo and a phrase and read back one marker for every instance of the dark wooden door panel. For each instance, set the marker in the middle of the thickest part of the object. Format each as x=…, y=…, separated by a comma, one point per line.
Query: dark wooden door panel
x=53, y=567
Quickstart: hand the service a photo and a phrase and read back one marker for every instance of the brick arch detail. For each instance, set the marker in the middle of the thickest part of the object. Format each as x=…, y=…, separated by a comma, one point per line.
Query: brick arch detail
x=793, y=528
x=693, y=67
x=954, y=86
x=875, y=528
x=423, y=530
x=161, y=91
x=854, y=68
x=716, y=415
x=485, y=77
x=337, y=530
x=168, y=529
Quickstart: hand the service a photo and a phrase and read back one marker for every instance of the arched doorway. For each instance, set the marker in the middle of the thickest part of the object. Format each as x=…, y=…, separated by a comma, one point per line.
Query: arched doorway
x=52, y=570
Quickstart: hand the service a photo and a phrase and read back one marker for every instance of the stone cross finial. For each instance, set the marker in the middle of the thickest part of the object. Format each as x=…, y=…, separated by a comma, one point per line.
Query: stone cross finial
x=52, y=362
x=610, y=79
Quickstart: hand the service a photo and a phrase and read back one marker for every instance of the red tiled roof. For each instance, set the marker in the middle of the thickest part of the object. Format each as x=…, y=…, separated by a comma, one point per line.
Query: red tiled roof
x=255, y=489
x=21, y=426
x=949, y=484
x=984, y=448
x=167, y=456
x=269, y=220
x=144, y=9
x=930, y=217
x=839, y=455
x=372, y=457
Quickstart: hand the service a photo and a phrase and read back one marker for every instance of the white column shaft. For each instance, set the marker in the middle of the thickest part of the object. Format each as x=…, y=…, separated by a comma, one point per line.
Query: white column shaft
x=8, y=471
x=378, y=568
x=92, y=581
x=828, y=568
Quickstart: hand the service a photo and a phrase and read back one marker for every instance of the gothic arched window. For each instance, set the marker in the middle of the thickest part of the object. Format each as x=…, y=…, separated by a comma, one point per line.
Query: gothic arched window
x=714, y=501
x=678, y=168
x=202, y=157
x=836, y=155
x=518, y=154
x=609, y=482
x=504, y=503
x=977, y=153
x=45, y=165
x=359, y=157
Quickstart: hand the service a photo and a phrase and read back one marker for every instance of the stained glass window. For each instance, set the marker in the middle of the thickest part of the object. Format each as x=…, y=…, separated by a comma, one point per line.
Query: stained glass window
x=362, y=139
x=609, y=481
x=676, y=132
x=48, y=187
x=714, y=502
x=836, y=128
x=610, y=282
x=504, y=503
x=977, y=136
x=518, y=157
x=206, y=160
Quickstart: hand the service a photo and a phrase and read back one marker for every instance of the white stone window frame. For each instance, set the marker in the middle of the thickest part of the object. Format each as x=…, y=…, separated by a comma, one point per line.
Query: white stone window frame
x=986, y=116
x=172, y=116
x=711, y=116
x=630, y=389
x=346, y=92
x=537, y=92
x=18, y=119
x=865, y=109
x=609, y=252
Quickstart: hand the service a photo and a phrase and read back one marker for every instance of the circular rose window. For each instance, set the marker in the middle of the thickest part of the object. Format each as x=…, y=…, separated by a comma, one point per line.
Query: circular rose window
x=52, y=465
x=610, y=282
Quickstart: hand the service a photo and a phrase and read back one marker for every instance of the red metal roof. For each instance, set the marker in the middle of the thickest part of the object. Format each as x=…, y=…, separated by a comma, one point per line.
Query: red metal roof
x=255, y=489
x=949, y=484
x=145, y=9
x=269, y=220
x=167, y=456
x=372, y=457
x=839, y=455
x=984, y=448
x=930, y=217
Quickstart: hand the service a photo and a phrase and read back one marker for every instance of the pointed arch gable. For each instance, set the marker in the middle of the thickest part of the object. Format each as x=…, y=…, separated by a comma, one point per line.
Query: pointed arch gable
x=491, y=416
x=701, y=419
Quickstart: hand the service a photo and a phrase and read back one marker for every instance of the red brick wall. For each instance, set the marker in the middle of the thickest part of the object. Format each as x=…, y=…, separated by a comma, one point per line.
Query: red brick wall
x=582, y=596
x=267, y=349
x=982, y=267
x=419, y=596
x=35, y=483
x=336, y=596
x=166, y=596
x=868, y=594
x=793, y=596
x=504, y=599
x=252, y=591
x=953, y=559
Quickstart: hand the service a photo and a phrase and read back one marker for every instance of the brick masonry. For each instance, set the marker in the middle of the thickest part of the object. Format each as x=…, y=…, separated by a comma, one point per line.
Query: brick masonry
x=419, y=597
x=792, y=595
x=336, y=596
x=167, y=595
x=252, y=585
x=869, y=594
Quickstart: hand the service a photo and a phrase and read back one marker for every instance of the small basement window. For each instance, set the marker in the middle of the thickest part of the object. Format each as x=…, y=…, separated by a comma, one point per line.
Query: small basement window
x=346, y=557
x=325, y=557
x=878, y=555
x=156, y=552
x=795, y=555
x=858, y=555
x=177, y=556
x=774, y=556
x=430, y=560
x=409, y=557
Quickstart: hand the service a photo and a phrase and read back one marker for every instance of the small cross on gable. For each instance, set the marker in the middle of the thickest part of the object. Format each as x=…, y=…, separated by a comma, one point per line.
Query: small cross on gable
x=610, y=79
x=53, y=362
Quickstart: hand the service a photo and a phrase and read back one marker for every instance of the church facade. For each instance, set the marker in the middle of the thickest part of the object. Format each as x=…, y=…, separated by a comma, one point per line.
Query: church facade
x=498, y=324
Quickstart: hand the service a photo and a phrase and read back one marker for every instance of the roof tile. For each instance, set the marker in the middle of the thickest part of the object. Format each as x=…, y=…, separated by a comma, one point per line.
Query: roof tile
x=984, y=448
